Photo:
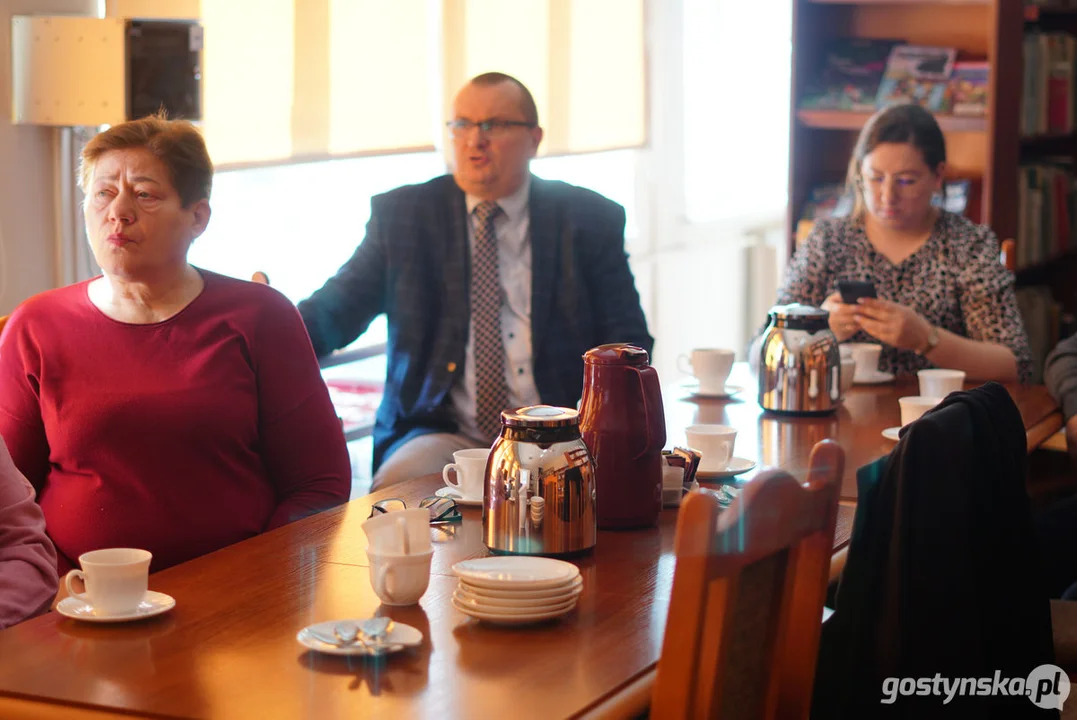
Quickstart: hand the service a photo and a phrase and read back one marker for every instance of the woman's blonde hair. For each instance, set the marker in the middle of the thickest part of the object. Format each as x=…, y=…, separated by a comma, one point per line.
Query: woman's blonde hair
x=906, y=123
x=176, y=143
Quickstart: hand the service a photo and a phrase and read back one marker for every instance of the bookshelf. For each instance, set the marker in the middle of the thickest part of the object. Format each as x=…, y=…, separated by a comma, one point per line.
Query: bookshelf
x=986, y=149
x=837, y=120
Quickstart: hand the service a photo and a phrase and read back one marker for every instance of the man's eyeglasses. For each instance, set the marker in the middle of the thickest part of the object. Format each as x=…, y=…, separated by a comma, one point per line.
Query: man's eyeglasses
x=442, y=510
x=486, y=127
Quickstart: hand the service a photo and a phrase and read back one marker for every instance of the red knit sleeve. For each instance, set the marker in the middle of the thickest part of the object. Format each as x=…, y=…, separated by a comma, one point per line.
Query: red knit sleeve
x=302, y=442
x=21, y=425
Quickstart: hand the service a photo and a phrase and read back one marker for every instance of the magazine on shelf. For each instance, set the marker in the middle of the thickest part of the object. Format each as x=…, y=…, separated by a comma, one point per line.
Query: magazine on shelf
x=917, y=74
x=968, y=88
x=852, y=69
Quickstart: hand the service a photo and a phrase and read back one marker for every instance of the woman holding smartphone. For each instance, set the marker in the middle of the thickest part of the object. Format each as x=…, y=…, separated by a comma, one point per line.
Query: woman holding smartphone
x=943, y=297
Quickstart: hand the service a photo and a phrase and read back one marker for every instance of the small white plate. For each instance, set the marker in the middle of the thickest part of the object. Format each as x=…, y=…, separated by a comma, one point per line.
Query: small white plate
x=448, y=492
x=319, y=637
x=154, y=603
x=476, y=596
x=519, y=571
x=891, y=433
x=502, y=619
x=465, y=600
x=489, y=594
x=736, y=466
x=692, y=386
x=877, y=377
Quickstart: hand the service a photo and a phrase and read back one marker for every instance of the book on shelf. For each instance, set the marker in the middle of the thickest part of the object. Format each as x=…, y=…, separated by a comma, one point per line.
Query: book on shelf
x=967, y=89
x=866, y=74
x=1046, y=205
x=1047, y=89
x=917, y=74
x=829, y=200
x=852, y=69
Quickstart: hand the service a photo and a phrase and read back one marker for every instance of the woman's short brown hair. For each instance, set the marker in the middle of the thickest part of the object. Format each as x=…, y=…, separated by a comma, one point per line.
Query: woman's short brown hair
x=176, y=143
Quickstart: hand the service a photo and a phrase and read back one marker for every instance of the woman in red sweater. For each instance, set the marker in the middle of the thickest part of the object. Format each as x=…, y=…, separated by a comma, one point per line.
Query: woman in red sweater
x=161, y=406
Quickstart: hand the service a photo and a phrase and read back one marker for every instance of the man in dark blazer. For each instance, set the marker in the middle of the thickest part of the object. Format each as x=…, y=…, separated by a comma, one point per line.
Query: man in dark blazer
x=557, y=284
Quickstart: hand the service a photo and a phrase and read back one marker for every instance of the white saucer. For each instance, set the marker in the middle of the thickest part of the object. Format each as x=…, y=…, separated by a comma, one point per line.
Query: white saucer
x=154, y=603
x=873, y=378
x=448, y=492
x=319, y=637
x=512, y=595
x=516, y=571
x=479, y=598
x=518, y=619
x=464, y=600
x=736, y=466
x=692, y=386
x=891, y=433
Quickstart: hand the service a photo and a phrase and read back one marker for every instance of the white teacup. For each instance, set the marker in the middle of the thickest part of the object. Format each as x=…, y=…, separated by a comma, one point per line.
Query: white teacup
x=715, y=444
x=115, y=579
x=469, y=466
x=710, y=366
x=913, y=406
x=399, y=579
x=939, y=383
x=400, y=532
x=866, y=356
x=848, y=372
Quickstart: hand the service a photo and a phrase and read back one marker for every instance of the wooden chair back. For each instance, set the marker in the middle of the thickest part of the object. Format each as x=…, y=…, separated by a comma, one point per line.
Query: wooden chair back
x=1008, y=254
x=745, y=613
x=3, y=322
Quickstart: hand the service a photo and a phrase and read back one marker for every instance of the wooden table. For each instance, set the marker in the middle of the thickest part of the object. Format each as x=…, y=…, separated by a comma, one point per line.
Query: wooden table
x=228, y=650
x=782, y=441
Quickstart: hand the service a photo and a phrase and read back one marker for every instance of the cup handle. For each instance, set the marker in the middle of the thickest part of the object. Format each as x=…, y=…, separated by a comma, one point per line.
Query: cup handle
x=684, y=364
x=384, y=580
x=727, y=453
x=75, y=575
x=445, y=476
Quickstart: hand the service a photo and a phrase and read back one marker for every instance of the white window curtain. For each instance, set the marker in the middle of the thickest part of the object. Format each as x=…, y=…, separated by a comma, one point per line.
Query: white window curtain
x=583, y=60
x=295, y=80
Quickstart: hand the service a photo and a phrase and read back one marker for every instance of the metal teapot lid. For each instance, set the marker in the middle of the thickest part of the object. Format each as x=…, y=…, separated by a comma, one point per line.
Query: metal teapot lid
x=799, y=317
x=540, y=416
x=616, y=354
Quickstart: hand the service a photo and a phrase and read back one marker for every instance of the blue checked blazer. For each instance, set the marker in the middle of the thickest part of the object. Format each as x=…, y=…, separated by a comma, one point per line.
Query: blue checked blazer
x=413, y=266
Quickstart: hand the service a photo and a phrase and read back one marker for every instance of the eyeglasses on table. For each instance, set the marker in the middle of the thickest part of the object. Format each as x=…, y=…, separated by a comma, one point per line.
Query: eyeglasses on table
x=442, y=509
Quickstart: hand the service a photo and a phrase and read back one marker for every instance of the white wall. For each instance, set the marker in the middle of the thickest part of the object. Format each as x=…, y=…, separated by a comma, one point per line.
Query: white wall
x=28, y=183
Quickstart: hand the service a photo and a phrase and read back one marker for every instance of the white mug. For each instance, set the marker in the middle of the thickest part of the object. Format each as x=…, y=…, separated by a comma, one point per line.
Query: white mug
x=469, y=466
x=714, y=442
x=710, y=366
x=400, y=532
x=913, y=406
x=848, y=372
x=866, y=356
x=939, y=383
x=399, y=579
x=115, y=579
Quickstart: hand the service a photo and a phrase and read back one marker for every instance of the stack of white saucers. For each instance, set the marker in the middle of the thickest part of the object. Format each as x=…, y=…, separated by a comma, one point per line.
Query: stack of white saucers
x=516, y=590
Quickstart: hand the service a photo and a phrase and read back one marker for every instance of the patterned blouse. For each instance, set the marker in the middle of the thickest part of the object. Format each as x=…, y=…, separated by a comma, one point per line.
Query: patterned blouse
x=955, y=281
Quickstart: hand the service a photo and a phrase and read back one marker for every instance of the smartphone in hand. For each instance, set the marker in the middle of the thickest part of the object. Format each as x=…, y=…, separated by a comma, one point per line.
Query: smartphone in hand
x=852, y=290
